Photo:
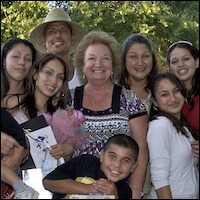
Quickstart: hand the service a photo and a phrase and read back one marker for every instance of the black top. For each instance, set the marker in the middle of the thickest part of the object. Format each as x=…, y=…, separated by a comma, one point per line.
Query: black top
x=10, y=126
x=115, y=106
x=86, y=166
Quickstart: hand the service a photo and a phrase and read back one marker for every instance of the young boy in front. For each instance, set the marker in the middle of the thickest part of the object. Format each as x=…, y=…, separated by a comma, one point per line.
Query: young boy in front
x=107, y=175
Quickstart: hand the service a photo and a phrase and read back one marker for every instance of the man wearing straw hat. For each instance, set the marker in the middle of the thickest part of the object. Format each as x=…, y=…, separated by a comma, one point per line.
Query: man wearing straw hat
x=59, y=35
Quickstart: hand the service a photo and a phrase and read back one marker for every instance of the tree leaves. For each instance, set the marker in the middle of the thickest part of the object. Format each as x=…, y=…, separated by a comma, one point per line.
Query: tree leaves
x=163, y=22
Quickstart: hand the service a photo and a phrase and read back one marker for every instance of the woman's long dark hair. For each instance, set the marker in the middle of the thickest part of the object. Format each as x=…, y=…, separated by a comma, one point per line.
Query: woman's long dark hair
x=29, y=102
x=7, y=47
x=128, y=43
x=156, y=112
x=194, y=91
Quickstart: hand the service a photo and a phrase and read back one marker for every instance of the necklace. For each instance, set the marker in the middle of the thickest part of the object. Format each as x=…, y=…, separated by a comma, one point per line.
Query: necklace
x=100, y=97
x=94, y=102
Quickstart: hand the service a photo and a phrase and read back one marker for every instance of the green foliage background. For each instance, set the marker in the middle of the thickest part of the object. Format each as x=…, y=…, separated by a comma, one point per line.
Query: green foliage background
x=163, y=22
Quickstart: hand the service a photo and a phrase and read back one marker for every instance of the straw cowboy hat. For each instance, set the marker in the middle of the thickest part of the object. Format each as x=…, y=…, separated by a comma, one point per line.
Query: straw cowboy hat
x=56, y=15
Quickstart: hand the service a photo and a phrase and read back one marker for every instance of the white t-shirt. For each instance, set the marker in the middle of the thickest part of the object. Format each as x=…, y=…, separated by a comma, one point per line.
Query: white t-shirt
x=75, y=82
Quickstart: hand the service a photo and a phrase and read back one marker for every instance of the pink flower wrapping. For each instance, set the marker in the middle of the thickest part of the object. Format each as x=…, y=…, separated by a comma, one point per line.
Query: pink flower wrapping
x=67, y=126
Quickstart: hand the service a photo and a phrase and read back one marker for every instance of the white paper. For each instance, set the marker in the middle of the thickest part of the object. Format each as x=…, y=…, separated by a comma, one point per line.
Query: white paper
x=40, y=139
x=33, y=178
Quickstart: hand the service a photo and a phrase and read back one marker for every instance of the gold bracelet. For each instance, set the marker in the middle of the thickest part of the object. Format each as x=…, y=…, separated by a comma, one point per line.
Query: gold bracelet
x=135, y=187
x=138, y=189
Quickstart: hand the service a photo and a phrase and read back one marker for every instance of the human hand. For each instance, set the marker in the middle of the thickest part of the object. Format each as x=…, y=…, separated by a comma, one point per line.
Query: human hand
x=105, y=186
x=195, y=148
x=7, y=143
x=13, y=160
x=91, y=189
x=62, y=150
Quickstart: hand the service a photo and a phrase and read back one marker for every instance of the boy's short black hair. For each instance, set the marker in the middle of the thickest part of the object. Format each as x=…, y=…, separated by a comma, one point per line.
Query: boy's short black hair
x=123, y=141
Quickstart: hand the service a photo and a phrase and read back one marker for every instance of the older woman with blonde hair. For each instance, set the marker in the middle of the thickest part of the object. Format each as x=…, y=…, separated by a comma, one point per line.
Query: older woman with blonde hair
x=108, y=107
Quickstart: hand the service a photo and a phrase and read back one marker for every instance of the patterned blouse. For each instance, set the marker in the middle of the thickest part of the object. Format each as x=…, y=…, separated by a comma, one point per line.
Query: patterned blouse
x=100, y=125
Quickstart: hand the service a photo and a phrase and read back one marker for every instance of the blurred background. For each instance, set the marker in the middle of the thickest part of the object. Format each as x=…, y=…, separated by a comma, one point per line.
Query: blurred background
x=163, y=22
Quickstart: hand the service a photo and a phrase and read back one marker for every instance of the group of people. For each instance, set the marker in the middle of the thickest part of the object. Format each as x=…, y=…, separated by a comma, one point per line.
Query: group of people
x=140, y=123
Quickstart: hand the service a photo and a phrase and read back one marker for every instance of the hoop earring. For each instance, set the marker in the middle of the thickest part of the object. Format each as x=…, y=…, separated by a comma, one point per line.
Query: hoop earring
x=112, y=74
x=62, y=95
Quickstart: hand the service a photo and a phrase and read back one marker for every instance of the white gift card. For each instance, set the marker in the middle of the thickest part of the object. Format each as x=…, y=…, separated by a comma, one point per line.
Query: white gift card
x=39, y=140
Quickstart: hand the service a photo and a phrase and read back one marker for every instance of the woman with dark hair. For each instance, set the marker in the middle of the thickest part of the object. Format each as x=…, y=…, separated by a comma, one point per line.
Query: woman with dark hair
x=139, y=66
x=183, y=61
x=17, y=58
x=173, y=166
x=47, y=80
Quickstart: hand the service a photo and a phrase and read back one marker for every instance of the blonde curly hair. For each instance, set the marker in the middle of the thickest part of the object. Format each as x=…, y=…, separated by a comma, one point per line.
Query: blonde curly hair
x=99, y=37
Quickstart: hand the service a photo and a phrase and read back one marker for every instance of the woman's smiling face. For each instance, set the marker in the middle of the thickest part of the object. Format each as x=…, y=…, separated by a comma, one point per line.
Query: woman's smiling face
x=98, y=63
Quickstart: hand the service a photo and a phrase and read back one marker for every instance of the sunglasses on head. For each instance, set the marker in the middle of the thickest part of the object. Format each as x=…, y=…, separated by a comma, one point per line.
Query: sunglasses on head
x=179, y=42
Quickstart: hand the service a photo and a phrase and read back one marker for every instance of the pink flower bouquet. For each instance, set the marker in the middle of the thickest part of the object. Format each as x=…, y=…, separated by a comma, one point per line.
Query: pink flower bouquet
x=67, y=126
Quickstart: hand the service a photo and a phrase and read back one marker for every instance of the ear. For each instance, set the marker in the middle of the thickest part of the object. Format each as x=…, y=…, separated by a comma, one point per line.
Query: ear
x=35, y=75
x=154, y=101
x=134, y=166
x=101, y=155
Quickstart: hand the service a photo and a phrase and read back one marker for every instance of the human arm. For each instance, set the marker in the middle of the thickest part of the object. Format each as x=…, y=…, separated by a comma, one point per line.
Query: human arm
x=10, y=126
x=8, y=175
x=139, y=127
x=164, y=192
x=195, y=148
x=10, y=147
x=69, y=186
x=7, y=143
x=159, y=138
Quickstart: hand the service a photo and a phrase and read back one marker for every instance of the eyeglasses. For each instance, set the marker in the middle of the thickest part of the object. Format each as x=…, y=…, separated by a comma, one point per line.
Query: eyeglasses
x=179, y=42
x=53, y=31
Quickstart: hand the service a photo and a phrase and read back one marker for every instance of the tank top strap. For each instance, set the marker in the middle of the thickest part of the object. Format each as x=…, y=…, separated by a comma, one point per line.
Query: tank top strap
x=19, y=98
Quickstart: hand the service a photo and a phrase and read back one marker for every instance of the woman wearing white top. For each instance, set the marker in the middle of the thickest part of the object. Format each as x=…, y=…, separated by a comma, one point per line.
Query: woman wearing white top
x=173, y=166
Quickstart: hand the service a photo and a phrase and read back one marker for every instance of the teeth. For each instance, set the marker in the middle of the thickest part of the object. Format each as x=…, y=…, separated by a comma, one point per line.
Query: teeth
x=98, y=71
x=140, y=69
x=114, y=172
x=183, y=71
x=57, y=43
x=51, y=87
